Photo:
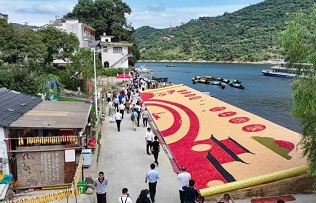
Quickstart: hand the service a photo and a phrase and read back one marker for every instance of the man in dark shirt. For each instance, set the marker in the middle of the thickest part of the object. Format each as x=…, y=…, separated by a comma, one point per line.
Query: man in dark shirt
x=190, y=192
x=155, y=149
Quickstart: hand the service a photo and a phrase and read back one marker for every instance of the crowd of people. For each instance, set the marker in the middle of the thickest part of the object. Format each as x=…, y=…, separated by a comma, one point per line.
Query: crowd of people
x=126, y=102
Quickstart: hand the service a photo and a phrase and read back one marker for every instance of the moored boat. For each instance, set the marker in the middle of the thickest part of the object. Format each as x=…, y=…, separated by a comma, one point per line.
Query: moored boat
x=237, y=85
x=161, y=79
x=143, y=69
x=203, y=81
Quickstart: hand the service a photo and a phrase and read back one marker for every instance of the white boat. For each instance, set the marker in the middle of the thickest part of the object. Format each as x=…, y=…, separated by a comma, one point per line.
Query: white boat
x=143, y=69
x=280, y=71
x=284, y=72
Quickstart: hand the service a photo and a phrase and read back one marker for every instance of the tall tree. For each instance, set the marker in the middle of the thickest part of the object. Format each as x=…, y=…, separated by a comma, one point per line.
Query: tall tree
x=29, y=46
x=106, y=16
x=19, y=78
x=8, y=47
x=299, y=43
x=60, y=45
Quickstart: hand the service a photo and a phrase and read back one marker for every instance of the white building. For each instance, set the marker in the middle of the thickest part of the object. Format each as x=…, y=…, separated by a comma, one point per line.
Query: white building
x=84, y=33
x=115, y=54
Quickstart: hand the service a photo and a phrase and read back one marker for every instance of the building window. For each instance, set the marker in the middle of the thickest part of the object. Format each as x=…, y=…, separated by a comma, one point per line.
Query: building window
x=117, y=50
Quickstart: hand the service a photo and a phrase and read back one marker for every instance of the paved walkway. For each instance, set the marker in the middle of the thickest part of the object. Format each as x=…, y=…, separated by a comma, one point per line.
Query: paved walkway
x=125, y=162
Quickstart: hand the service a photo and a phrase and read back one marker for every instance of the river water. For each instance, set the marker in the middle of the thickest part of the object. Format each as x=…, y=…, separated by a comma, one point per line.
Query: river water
x=267, y=97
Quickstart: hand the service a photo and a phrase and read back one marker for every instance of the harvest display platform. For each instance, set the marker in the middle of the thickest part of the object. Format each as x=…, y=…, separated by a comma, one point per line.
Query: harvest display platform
x=223, y=147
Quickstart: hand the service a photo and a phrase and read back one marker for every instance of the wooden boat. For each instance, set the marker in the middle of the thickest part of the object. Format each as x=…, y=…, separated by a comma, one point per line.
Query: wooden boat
x=201, y=81
x=160, y=79
x=208, y=77
x=196, y=78
x=237, y=85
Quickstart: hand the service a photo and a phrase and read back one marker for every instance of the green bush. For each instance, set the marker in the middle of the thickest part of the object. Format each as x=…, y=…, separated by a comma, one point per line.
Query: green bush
x=111, y=72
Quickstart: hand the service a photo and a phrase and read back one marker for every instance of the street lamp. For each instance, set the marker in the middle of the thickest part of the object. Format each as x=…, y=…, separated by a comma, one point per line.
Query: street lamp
x=95, y=84
x=93, y=46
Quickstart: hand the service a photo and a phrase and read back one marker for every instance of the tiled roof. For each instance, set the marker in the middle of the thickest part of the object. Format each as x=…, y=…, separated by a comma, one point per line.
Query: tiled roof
x=13, y=105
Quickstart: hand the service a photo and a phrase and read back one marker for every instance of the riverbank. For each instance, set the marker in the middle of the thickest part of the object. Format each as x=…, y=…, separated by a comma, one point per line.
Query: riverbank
x=274, y=62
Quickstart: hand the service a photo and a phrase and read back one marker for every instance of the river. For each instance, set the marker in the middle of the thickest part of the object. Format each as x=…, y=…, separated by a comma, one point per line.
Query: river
x=267, y=97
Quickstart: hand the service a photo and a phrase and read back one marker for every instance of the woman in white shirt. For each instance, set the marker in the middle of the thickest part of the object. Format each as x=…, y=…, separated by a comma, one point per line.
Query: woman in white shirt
x=118, y=119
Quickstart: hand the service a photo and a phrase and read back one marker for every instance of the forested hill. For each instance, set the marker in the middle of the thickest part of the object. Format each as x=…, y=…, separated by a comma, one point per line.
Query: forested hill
x=249, y=34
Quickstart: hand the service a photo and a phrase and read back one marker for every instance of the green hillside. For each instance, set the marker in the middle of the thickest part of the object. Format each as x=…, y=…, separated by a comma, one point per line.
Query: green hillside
x=249, y=34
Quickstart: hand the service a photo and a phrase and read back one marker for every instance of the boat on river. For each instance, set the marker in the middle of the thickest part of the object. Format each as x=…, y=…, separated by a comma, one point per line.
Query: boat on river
x=280, y=71
x=161, y=79
x=237, y=85
x=143, y=69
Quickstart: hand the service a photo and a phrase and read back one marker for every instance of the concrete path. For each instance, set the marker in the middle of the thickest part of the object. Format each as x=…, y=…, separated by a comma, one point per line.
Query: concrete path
x=125, y=162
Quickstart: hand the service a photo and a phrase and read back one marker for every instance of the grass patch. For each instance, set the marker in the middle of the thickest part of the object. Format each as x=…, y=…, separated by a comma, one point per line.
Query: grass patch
x=99, y=145
x=269, y=143
x=70, y=99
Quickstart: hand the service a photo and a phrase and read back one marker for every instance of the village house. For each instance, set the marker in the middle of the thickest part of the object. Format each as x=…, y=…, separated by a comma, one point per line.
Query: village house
x=43, y=139
x=13, y=105
x=84, y=33
x=115, y=54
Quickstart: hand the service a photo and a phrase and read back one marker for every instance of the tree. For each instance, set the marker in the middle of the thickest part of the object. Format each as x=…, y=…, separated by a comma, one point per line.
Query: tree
x=19, y=78
x=80, y=70
x=8, y=46
x=60, y=45
x=29, y=46
x=106, y=16
x=299, y=43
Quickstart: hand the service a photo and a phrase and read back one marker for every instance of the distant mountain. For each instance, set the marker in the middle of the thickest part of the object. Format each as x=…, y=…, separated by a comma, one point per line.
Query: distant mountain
x=17, y=25
x=249, y=34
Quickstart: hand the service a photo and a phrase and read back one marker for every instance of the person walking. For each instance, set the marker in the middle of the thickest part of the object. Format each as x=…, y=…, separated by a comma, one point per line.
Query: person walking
x=148, y=139
x=191, y=194
x=151, y=177
x=118, y=119
x=116, y=102
x=155, y=149
x=122, y=109
x=127, y=106
x=112, y=113
x=138, y=110
x=125, y=198
x=100, y=184
x=145, y=115
x=134, y=115
x=142, y=198
x=183, y=178
x=108, y=96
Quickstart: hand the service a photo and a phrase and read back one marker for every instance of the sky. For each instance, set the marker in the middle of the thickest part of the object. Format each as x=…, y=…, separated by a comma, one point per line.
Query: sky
x=154, y=13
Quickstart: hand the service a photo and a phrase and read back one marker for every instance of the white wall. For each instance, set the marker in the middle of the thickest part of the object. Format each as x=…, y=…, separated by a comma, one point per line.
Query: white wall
x=112, y=58
x=4, y=150
x=73, y=26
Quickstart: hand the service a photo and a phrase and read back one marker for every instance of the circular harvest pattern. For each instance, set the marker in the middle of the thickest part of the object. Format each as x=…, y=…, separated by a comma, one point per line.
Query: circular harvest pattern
x=201, y=147
x=227, y=114
x=254, y=128
x=218, y=108
x=182, y=90
x=189, y=95
x=196, y=97
x=186, y=92
x=239, y=120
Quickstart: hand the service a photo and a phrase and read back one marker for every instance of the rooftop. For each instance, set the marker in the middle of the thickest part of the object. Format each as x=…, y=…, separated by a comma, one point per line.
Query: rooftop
x=14, y=105
x=58, y=114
